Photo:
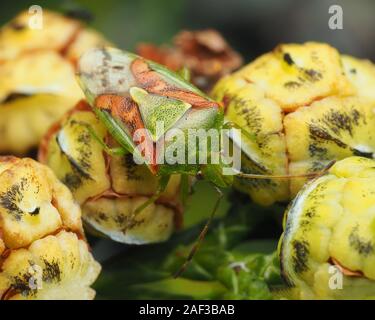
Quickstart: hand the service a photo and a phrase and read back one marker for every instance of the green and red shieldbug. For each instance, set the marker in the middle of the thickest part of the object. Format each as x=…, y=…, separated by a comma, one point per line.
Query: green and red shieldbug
x=130, y=94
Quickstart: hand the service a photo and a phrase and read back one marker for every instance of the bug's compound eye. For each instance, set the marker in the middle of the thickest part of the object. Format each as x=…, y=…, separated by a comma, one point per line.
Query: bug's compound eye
x=199, y=175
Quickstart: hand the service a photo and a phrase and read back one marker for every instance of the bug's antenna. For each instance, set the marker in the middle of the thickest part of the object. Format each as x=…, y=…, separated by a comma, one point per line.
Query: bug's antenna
x=201, y=236
x=270, y=176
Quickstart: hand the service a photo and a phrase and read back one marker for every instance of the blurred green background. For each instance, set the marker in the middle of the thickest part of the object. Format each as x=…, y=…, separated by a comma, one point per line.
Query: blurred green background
x=251, y=26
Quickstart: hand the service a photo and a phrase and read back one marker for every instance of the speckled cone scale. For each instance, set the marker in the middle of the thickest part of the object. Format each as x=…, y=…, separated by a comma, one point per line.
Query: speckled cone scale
x=37, y=76
x=331, y=222
x=43, y=252
x=306, y=105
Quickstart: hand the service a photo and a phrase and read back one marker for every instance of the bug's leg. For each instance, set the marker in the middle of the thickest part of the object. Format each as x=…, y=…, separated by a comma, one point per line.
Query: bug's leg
x=185, y=188
x=149, y=201
x=202, y=234
x=109, y=150
x=162, y=186
x=277, y=177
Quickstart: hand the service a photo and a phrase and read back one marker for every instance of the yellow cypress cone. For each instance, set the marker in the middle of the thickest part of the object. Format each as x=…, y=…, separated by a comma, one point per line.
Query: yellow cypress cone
x=305, y=105
x=43, y=252
x=327, y=248
x=37, y=76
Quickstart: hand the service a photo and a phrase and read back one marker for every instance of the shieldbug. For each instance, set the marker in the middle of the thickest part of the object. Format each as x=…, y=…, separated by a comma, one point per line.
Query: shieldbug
x=143, y=105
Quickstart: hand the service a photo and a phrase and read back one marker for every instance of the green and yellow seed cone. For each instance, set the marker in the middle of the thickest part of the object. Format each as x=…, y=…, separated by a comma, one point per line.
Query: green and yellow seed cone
x=37, y=76
x=304, y=105
x=43, y=252
x=327, y=248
